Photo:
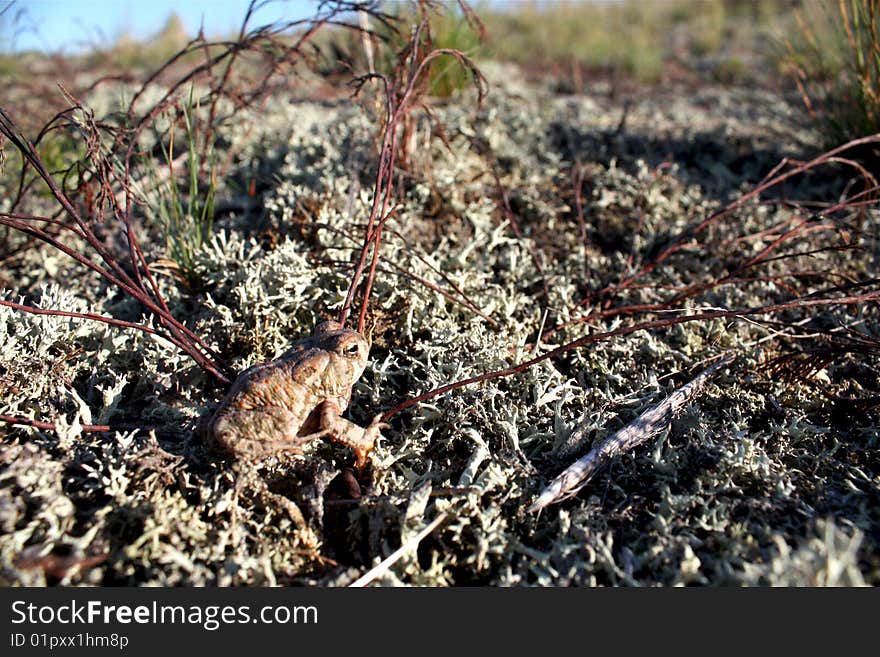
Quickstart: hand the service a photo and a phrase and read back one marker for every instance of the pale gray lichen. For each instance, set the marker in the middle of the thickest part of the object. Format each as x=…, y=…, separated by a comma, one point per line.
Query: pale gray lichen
x=759, y=482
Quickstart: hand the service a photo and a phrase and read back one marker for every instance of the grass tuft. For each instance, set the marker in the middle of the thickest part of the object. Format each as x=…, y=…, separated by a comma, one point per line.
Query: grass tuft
x=187, y=218
x=834, y=58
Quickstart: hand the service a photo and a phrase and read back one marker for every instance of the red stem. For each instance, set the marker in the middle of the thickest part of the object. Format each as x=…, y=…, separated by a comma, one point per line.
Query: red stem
x=627, y=330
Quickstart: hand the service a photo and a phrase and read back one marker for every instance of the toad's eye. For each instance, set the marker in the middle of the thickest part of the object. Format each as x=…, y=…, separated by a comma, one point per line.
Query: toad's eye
x=352, y=349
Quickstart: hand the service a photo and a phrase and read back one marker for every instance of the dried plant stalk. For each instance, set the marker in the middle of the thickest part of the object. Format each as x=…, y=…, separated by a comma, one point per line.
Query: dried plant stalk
x=402, y=94
x=643, y=428
x=379, y=569
x=870, y=296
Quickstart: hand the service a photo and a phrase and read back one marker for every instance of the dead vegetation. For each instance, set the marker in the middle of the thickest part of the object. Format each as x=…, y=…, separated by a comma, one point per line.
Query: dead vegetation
x=535, y=272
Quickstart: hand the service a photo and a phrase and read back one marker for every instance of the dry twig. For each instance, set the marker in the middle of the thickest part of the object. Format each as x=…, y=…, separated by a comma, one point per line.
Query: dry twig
x=689, y=239
x=402, y=92
x=100, y=190
x=643, y=428
x=870, y=296
x=381, y=568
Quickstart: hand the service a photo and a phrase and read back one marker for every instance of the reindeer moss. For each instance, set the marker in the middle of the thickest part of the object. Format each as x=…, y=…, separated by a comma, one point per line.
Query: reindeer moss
x=764, y=480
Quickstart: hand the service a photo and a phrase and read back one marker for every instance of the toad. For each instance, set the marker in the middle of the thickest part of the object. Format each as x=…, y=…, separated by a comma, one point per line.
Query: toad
x=283, y=404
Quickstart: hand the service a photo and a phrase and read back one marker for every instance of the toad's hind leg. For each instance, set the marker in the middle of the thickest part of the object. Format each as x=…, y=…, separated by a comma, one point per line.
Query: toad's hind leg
x=340, y=430
x=249, y=482
x=255, y=435
x=267, y=433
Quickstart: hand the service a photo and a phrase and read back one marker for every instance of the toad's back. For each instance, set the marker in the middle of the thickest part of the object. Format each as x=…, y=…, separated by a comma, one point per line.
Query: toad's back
x=275, y=405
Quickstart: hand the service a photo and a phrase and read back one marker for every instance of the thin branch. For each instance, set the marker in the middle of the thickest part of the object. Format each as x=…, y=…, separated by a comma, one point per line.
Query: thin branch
x=50, y=426
x=462, y=300
x=649, y=424
x=382, y=567
x=401, y=95
x=90, y=316
x=801, y=302
x=775, y=177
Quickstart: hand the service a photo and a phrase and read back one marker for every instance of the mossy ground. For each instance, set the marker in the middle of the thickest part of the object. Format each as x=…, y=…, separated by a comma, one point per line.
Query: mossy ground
x=763, y=480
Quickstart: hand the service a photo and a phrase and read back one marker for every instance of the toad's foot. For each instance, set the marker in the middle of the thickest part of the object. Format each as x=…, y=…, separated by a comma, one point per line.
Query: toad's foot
x=248, y=480
x=340, y=430
x=370, y=435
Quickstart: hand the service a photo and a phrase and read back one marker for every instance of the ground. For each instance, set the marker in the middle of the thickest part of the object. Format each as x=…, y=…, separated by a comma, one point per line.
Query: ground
x=766, y=477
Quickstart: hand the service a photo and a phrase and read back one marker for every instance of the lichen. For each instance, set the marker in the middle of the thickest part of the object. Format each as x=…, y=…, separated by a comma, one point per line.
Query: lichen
x=762, y=480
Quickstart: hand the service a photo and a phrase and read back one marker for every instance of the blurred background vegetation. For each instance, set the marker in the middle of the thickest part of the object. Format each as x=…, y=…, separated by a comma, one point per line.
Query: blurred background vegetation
x=826, y=53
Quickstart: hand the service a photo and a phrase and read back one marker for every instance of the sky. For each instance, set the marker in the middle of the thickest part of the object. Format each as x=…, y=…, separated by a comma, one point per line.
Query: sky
x=71, y=25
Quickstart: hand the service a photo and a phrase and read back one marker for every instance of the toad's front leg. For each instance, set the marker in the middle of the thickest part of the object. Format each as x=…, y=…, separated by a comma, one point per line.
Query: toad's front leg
x=340, y=430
